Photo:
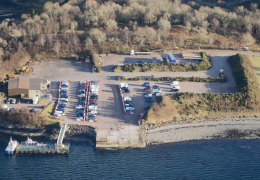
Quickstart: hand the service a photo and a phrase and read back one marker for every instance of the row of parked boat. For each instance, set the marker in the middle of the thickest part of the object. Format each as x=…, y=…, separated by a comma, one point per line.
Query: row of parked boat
x=13, y=144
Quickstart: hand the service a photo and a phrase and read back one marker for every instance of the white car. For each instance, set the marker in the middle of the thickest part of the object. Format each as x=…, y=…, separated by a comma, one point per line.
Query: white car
x=93, y=112
x=64, y=87
x=64, y=99
x=174, y=83
x=156, y=91
x=79, y=107
x=92, y=108
x=158, y=94
x=79, y=118
x=65, y=82
x=148, y=95
x=13, y=101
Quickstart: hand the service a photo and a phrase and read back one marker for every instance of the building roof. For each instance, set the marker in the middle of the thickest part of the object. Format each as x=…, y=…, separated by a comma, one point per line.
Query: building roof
x=18, y=83
x=35, y=84
x=25, y=83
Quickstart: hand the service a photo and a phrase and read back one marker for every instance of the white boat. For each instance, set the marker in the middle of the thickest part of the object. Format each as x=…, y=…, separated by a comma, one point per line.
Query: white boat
x=10, y=149
x=29, y=141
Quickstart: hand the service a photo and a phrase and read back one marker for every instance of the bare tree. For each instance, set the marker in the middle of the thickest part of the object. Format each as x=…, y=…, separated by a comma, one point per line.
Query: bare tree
x=97, y=36
x=247, y=39
x=164, y=24
x=56, y=47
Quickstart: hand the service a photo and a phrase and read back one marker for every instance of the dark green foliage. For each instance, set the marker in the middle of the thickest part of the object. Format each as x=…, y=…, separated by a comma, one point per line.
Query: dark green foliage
x=221, y=79
x=204, y=64
x=25, y=118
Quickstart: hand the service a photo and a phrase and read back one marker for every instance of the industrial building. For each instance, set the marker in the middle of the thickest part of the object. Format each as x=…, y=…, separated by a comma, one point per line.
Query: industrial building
x=26, y=87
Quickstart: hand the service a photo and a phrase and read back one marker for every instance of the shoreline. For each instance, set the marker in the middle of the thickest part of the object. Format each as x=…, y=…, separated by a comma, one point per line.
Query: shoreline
x=229, y=128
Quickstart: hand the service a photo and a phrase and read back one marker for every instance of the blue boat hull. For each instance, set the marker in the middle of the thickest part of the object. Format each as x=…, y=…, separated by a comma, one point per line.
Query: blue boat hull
x=9, y=152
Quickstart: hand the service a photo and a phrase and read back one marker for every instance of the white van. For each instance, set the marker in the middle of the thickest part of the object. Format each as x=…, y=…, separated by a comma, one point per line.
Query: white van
x=35, y=100
x=174, y=83
x=175, y=88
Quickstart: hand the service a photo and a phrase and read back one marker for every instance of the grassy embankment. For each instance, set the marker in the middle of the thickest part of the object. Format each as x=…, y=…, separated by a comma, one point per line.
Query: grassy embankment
x=47, y=113
x=195, y=107
x=204, y=64
x=256, y=64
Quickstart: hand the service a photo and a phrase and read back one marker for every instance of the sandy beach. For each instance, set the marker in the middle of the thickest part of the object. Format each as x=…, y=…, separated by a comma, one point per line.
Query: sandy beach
x=231, y=128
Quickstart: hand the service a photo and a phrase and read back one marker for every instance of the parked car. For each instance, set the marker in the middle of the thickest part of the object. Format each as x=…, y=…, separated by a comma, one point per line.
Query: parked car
x=32, y=110
x=148, y=95
x=18, y=101
x=13, y=101
x=28, y=101
x=95, y=82
x=148, y=90
x=149, y=100
x=175, y=88
x=63, y=91
x=93, y=118
x=62, y=105
x=80, y=111
x=156, y=91
x=93, y=103
x=12, y=109
x=147, y=87
x=93, y=112
x=174, y=83
x=156, y=87
x=64, y=95
x=46, y=90
x=93, y=100
x=7, y=101
x=79, y=107
x=125, y=90
x=147, y=107
x=64, y=86
x=158, y=94
x=79, y=118
x=146, y=84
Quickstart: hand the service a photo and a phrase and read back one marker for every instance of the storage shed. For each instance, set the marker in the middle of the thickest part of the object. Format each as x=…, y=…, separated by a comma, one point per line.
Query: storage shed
x=171, y=58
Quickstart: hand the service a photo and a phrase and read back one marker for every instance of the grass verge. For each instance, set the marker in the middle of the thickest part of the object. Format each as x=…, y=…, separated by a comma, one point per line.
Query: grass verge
x=256, y=64
x=47, y=112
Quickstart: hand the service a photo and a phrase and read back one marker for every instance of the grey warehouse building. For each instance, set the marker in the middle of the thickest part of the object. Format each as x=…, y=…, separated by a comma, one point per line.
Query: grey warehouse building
x=26, y=87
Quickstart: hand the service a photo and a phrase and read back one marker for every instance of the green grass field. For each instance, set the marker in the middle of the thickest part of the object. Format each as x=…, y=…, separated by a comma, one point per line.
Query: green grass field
x=256, y=64
x=47, y=112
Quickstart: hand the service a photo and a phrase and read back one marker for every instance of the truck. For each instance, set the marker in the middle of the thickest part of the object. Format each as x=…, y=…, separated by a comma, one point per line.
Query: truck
x=175, y=88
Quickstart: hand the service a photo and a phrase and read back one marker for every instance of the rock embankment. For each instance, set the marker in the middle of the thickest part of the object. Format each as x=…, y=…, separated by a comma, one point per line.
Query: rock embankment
x=22, y=130
x=76, y=133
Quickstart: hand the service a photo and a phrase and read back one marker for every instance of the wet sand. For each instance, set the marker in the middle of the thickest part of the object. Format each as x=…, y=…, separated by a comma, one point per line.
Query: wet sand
x=237, y=128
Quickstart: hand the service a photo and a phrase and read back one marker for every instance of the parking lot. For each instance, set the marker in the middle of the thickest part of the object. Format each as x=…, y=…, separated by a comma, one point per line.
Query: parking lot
x=110, y=113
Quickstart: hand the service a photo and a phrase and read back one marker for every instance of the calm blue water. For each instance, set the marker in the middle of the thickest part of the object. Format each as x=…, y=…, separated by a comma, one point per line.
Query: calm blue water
x=211, y=159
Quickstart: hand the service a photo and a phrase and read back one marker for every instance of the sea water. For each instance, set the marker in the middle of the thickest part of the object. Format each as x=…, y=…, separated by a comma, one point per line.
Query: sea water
x=206, y=159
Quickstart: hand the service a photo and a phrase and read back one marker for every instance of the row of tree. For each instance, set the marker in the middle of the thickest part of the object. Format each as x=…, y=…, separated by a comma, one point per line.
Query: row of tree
x=103, y=26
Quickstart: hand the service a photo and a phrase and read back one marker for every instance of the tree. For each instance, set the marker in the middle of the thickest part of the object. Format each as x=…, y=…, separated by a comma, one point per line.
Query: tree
x=3, y=43
x=214, y=23
x=111, y=24
x=164, y=24
x=247, y=39
x=97, y=36
x=56, y=47
x=88, y=43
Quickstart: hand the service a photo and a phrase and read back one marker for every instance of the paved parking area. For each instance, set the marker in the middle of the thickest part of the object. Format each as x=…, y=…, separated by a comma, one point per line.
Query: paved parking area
x=110, y=111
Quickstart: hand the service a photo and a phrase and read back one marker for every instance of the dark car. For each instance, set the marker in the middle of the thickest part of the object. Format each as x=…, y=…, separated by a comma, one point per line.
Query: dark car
x=12, y=109
x=63, y=91
x=7, y=101
x=149, y=100
x=93, y=103
x=156, y=87
x=64, y=95
x=82, y=98
x=32, y=110
x=147, y=87
x=95, y=82
x=80, y=111
x=81, y=103
x=62, y=105
x=140, y=62
x=147, y=107
x=92, y=118
x=18, y=101
x=28, y=101
x=125, y=90
x=94, y=97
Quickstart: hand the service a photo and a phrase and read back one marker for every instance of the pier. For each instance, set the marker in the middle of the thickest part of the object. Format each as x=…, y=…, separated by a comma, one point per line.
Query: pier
x=123, y=137
x=42, y=148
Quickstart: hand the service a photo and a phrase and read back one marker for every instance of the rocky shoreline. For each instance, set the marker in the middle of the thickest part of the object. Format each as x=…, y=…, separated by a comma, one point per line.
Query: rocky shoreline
x=74, y=132
x=230, y=128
